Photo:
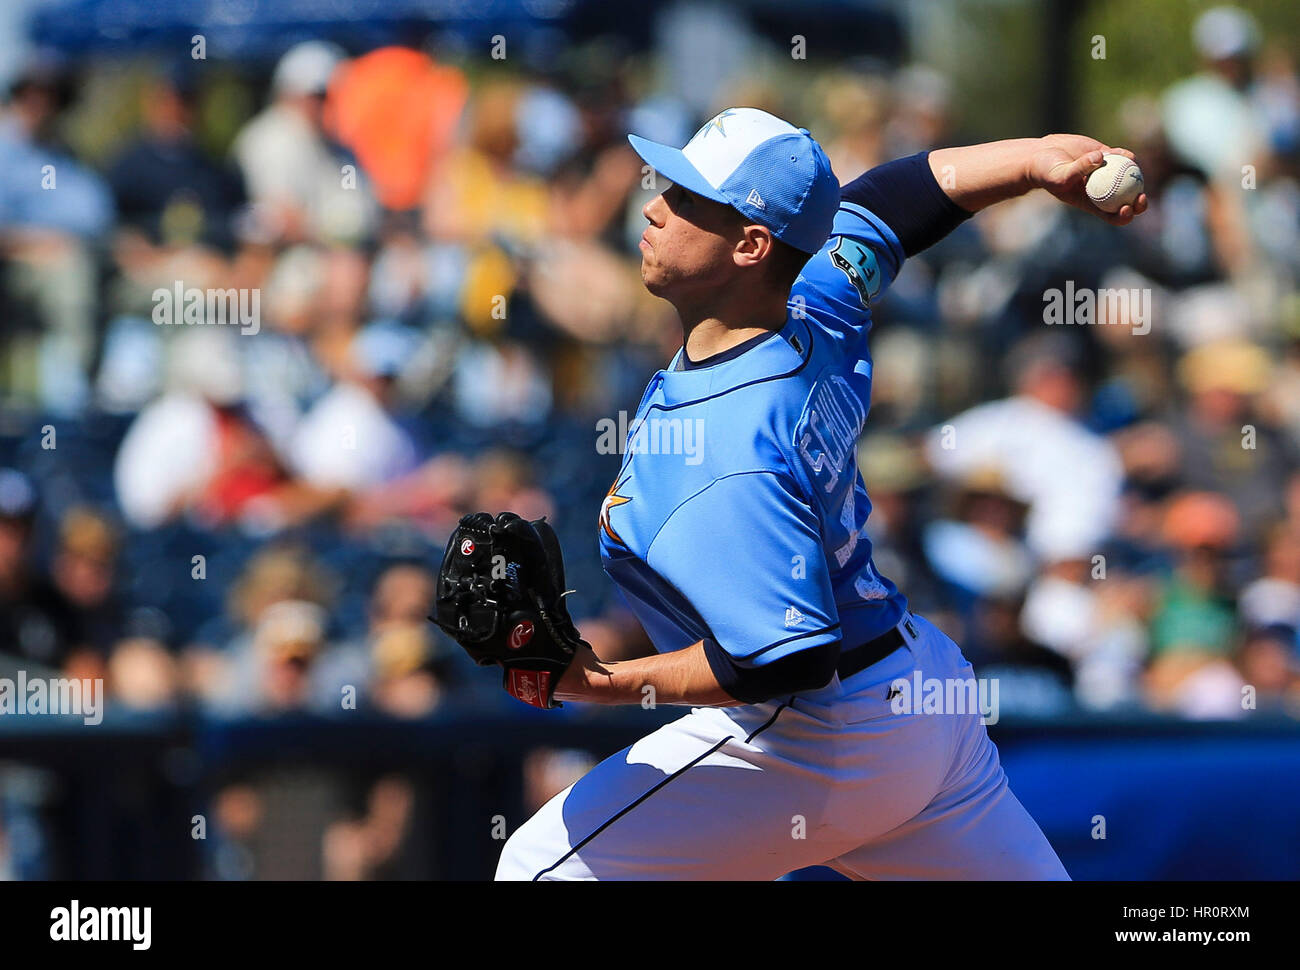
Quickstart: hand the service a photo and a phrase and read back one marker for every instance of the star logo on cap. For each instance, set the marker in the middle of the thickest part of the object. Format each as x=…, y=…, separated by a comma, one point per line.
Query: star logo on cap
x=717, y=123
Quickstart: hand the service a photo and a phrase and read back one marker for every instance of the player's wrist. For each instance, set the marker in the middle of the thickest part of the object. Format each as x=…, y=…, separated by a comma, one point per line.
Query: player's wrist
x=1031, y=174
x=576, y=683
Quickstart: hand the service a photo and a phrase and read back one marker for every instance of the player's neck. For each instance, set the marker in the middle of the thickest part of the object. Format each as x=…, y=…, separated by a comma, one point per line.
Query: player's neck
x=707, y=332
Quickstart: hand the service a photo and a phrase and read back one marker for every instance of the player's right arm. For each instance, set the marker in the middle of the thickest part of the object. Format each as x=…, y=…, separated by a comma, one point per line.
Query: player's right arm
x=903, y=207
x=887, y=214
x=977, y=176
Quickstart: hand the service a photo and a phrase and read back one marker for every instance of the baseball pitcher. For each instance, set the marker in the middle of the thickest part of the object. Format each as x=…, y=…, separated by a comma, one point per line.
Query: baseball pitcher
x=749, y=564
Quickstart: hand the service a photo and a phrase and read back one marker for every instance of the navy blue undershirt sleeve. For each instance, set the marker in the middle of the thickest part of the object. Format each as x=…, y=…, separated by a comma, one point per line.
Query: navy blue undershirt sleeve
x=906, y=195
x=808, y=669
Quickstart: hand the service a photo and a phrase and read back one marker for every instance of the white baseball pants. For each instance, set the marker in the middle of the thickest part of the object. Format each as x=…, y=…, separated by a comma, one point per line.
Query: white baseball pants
x=834, y=777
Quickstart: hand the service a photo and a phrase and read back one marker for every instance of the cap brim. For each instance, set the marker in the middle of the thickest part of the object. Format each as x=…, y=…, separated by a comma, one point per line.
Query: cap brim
x=674, y=166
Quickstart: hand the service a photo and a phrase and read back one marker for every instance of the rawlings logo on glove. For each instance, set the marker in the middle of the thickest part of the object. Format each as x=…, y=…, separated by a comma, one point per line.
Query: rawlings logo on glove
x=501, y=597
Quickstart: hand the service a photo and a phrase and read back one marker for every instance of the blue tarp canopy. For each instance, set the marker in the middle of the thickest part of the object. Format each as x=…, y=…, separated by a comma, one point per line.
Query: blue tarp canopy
x=253, y=28
x=257, y=29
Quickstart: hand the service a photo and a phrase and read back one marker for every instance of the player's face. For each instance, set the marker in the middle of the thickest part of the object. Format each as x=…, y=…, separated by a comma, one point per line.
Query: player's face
x=688, y=246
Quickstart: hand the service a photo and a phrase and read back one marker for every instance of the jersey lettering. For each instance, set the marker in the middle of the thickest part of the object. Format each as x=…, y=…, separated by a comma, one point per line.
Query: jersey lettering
x=833, y=425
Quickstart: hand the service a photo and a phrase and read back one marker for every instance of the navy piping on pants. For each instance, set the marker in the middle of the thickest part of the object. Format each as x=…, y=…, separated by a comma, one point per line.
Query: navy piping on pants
x=676, y=774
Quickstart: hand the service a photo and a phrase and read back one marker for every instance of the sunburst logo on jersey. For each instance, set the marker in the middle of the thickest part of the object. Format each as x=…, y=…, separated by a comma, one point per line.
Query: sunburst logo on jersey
x=612, y=501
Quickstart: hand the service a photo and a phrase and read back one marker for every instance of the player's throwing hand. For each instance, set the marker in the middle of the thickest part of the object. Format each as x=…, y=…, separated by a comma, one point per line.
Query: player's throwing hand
x=1062, y=166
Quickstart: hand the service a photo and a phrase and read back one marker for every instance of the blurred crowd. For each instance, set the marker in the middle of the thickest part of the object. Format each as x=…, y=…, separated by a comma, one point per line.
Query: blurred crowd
x=437, y=267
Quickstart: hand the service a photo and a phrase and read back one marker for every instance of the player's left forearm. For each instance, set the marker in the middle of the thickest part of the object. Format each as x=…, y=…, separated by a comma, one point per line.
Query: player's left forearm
x=680, y=677
x=977, y=176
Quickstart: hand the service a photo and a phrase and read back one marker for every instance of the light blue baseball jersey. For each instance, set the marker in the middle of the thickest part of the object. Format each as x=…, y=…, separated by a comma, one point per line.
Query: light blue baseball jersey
x=739, y=512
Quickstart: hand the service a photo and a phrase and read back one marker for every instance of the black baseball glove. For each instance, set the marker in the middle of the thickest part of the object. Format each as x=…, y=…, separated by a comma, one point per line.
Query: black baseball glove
x=501, y=597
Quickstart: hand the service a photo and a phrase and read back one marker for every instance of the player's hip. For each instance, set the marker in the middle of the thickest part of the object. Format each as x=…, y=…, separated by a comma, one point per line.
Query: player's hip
x=926, y=674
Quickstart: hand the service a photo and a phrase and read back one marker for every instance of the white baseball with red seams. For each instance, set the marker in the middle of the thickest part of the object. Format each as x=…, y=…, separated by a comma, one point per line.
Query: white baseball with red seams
x=1116, y=184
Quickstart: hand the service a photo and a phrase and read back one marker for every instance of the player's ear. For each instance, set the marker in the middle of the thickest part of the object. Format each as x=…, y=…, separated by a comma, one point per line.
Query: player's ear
x=754, y=245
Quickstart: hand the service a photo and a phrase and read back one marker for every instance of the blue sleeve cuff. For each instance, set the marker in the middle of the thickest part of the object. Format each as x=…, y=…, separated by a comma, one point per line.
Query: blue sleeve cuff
x=808, y=669
x=905, y=195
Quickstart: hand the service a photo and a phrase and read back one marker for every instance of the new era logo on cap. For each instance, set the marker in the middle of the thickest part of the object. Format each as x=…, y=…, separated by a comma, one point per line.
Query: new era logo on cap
x=772, y=172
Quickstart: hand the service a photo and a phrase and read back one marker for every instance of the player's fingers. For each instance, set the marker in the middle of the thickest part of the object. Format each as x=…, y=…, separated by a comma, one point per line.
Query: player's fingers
x=1127, y=213
x=1121, y=151
x=1114, y=218
x=1069, y=173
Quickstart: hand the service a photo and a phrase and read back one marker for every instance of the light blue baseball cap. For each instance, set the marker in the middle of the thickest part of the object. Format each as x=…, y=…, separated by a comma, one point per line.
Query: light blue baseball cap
x=770, y=171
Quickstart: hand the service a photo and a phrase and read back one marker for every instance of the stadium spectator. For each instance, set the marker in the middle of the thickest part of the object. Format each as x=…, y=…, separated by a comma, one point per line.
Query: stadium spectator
x=1194, y=611
x=401, y=666
x=409, y=676
x=293, y=172
x=197, y=451
x=84, y=571
x=167, y=188
x=1194, y=624
x=143, y=675
x=1274, y=598
x=481, y=195
x=979, y=548
x=1210, y=117
x=36, y=621
x=1270, y=664
x=369, y=846
x=44, y=190
x=1032, y=680
x=275, y=574
x=1068, y=476
x=350, y=438
x=53, y=212
x=1226, y=444
x=273, y=672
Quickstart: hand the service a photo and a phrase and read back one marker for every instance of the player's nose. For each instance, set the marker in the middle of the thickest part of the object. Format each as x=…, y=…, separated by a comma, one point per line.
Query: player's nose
x=654, y=211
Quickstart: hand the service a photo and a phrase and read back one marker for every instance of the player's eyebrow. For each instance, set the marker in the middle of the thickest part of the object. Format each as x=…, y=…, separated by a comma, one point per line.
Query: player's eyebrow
x=675, y=196
x=699, y=203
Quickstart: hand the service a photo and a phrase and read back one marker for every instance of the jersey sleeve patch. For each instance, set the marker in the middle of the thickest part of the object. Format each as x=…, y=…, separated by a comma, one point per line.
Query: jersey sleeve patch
x=858, y=263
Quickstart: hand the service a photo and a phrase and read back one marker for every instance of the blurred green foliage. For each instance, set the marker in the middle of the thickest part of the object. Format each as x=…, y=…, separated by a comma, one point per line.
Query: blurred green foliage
x=992, y=50
x=1149, y=46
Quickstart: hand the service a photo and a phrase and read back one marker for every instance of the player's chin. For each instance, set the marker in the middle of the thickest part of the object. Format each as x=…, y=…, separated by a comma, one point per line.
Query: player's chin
x=652, y=278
